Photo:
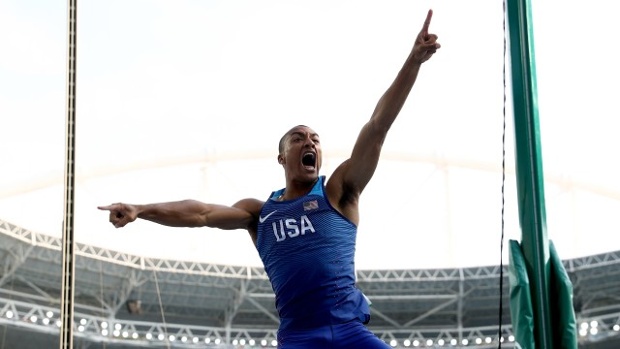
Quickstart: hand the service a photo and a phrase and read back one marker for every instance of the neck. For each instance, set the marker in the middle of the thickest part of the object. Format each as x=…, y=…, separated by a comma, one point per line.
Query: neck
x=295, y=189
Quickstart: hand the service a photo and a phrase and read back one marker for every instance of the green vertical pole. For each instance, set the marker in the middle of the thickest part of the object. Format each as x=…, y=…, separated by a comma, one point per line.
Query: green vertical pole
x=530, y=188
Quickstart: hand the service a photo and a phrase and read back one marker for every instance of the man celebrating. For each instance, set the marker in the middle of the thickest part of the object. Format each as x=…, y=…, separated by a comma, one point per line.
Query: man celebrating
x=305, y=233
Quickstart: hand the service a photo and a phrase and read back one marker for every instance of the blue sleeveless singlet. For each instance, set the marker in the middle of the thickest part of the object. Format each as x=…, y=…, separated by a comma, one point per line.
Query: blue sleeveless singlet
x=308, y=250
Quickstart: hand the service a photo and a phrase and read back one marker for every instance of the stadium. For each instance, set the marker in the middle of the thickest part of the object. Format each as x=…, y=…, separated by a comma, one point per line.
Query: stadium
x=171, y=106
x=126, y=301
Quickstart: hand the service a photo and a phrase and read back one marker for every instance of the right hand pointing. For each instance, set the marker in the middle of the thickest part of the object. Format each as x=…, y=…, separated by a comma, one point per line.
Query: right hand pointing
x=121, y=214
x=425, y=44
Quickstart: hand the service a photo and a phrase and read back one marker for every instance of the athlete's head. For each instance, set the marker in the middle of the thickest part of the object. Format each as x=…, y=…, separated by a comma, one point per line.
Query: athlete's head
x=300, y=153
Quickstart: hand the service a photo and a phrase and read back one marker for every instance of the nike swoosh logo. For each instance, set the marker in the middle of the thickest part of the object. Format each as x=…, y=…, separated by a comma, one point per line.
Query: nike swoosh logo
x=263, y=219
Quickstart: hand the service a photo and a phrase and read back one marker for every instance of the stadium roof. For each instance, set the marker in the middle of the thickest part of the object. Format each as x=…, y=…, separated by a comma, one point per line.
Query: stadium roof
x=200, y=302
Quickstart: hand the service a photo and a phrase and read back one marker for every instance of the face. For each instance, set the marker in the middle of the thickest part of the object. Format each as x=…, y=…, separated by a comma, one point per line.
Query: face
x=301, y=154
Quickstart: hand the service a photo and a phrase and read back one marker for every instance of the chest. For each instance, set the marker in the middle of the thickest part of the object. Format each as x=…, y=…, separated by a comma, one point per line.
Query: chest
x=297, y=223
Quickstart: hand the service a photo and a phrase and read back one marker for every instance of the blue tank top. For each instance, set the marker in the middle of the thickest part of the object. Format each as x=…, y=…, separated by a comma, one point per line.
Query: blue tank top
x=308, y=250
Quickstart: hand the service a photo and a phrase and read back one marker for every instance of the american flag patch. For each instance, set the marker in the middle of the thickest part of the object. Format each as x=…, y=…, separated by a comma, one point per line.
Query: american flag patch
x=311, y=205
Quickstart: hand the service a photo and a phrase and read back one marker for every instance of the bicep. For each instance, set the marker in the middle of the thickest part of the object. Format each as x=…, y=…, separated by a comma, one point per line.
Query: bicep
x=360, y=167
x=350, y=178
x=241, y=215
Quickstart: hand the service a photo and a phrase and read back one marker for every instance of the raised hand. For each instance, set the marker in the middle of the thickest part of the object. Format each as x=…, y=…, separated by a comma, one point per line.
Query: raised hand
x=121, y=214
x=425, y=44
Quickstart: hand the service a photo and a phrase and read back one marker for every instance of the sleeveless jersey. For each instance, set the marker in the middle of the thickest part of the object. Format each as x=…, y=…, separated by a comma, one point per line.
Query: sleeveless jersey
x=308, y=250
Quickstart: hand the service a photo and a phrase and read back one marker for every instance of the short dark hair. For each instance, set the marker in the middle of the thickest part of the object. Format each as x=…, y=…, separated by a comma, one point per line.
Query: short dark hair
x=283, y=139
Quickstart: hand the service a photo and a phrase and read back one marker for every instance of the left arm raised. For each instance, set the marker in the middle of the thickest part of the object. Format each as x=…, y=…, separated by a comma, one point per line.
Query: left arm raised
x=350, y=178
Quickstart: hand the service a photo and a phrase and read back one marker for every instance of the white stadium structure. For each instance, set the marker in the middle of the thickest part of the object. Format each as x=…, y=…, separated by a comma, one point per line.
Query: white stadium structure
x=126, y=301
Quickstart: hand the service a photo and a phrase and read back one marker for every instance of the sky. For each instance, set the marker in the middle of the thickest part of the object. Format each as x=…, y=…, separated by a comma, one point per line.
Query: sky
x=188, y=99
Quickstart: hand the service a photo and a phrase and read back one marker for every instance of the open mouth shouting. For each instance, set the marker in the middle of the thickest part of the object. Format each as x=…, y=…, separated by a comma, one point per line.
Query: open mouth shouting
x=308, y=160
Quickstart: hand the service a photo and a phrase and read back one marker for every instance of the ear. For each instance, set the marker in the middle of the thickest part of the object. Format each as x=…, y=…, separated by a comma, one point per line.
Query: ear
x=280, y=159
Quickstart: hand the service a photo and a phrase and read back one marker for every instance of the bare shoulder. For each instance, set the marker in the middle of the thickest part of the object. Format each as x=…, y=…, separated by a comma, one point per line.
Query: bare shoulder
x=342, y=195
x=252, y=206
x=334, y=185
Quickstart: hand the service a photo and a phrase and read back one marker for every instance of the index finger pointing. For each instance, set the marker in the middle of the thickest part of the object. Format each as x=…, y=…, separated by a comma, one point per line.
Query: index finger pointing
x=106, y=208
x=427, y=22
